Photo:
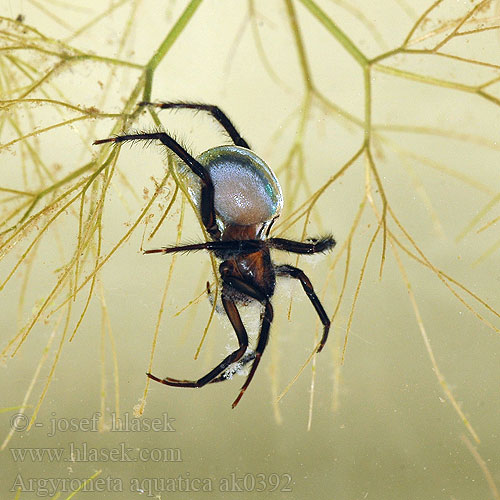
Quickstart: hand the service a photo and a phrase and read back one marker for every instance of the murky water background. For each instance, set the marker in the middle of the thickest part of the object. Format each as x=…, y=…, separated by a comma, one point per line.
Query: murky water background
x=381, y=427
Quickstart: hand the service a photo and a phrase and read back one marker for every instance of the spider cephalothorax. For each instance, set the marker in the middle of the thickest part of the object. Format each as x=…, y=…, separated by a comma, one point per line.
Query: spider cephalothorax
x=238, y=198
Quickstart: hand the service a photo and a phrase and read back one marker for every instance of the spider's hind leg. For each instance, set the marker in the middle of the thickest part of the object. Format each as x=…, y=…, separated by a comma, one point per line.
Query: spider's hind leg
x=213, y=110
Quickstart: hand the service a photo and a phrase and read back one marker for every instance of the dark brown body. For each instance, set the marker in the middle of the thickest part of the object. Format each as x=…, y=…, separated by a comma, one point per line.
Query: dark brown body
x=255, y=269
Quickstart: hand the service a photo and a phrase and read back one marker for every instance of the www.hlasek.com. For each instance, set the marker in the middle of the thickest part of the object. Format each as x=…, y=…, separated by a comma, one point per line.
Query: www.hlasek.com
x=233, y=483
x=82, y=452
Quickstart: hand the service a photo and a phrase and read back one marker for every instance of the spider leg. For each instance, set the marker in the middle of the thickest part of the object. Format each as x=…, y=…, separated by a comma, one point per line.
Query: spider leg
x=297, y=273
x=316, y=245
x=246, y=246
x=242, y=362
x=207, y=210
x=252, y=291
x=215, y=111
x=239, y=328
x=261, y=345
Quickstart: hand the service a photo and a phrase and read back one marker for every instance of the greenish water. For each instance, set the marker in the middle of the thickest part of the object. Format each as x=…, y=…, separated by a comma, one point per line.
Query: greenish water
x=379, y=426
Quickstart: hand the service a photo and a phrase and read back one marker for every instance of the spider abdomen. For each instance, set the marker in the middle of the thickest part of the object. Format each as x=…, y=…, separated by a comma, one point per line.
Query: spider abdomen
x=246, y=190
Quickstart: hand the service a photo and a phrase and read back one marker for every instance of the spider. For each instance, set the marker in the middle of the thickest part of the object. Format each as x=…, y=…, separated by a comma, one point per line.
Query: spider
x=239, y=200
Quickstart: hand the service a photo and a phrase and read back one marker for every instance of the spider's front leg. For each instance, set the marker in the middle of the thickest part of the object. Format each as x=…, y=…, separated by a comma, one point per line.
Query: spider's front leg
x=247, y=358
x=249, y=289
x=239, y=328
x=261, y=345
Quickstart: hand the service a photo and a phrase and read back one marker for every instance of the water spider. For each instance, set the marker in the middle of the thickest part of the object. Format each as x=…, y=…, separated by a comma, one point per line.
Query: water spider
x=239, y=199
